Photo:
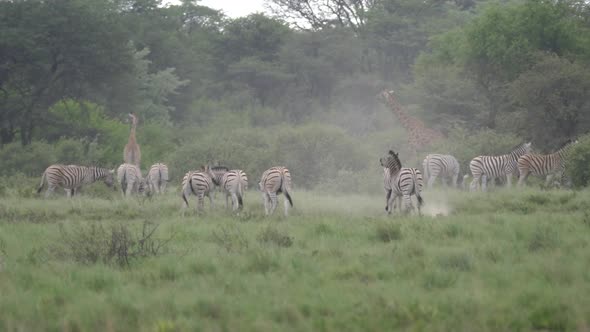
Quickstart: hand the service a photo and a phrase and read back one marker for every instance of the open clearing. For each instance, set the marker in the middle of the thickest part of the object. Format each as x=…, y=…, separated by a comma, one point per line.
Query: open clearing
x=505, y=260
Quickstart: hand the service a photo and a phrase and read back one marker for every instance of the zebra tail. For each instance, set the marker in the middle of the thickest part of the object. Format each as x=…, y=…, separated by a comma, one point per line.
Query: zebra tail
x=417, y=191
x=239, y=194
x=42, y=183
x=286, y=191
x=188, y=183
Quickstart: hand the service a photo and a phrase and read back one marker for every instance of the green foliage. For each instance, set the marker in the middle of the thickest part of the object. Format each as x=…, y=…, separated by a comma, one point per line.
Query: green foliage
x=577, y=164
x=30, y=160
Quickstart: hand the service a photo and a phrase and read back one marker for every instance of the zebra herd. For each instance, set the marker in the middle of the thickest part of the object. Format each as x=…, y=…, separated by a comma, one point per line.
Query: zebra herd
x=200, y=183
x=400, y=182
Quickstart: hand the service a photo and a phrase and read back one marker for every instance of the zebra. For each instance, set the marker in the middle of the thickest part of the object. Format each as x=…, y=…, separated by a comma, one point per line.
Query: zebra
x=157, y=178
x=445, y=166
x=234, y=183
x=483, y=167
x=274, y=181
x=200, y=184
x=548, y=164
x=400, y=182
x=216, y=173
x=72, y=177
x=130, y=179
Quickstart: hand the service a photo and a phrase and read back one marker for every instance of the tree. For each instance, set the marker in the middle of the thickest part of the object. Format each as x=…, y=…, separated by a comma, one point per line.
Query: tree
x=51, y=50
x=554, y=95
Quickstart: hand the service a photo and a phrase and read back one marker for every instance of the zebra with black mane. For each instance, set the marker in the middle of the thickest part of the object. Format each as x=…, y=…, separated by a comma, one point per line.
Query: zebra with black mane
x=200, y=184
x=550, y=165
x=445, y=166
x=73, y=177
x=274, y=181
x=157, y=178
x=400, y=183
x=130, y=179
x=484, y=167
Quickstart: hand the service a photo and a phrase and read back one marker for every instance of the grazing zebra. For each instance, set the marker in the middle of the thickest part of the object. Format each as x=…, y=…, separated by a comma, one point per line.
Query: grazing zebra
x=200, y=184
x=234, y=183
x=400, y=182
x=157, y=178
x=445, y=166
x=483, y=167
x=72, y=177
x=216, y=174
x=274, y=181
x=130, y=179
x=547, y=164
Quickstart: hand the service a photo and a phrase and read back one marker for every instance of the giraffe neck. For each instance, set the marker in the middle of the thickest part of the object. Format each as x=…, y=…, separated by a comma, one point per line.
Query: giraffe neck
x=397, y=110
x=132, y=134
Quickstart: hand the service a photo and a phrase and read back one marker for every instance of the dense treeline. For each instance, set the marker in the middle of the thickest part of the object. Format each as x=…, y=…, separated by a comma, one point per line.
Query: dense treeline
x=298, y=87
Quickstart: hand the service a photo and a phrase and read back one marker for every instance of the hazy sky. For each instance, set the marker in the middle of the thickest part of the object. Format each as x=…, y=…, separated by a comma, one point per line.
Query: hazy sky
x=235, y=8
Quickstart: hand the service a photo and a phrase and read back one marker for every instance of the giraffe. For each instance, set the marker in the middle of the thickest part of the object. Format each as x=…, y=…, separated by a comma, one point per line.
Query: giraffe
x=132, y=153
x=419, y=136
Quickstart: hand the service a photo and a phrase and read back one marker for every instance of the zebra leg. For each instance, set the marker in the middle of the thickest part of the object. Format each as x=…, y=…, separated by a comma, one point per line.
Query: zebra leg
x=455, y=178
x=286, y=204
x=234, y=201
x=68, y=192
x=484, y=182
x=509, y=180
x=407, y=203
x=548, y=179
x=49, y=191
x=444, y=181
x=522, y=179
x=474, y=183
x=227, y=201
x=431, y=180
x=273, y=202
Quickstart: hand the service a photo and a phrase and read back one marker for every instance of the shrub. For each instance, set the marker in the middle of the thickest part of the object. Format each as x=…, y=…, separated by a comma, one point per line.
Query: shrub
x=115, y=244
x=577, y=164
x=271, y=235
x=30, y=160
x=388, y=231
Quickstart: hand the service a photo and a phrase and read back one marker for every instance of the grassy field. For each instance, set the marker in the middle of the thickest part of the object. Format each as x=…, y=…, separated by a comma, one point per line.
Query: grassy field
x=475, y=262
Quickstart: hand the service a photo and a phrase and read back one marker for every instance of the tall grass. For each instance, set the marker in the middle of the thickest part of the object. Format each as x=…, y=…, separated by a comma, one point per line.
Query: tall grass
x=505, y=260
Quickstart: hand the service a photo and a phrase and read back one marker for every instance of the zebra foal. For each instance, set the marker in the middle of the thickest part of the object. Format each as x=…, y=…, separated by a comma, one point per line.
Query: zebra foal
x=130, y=179
x=274, y=181
x=157, y=179
x=544, y=164
x=445, y=166
x=72, y=177
x=400, y=182
x=493, y=167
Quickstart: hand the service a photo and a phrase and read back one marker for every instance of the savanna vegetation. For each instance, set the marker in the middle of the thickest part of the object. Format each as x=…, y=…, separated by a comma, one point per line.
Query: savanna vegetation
x=296, y=86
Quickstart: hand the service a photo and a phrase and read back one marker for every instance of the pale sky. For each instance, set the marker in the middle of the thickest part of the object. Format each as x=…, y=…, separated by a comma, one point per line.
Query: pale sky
x=235, y=8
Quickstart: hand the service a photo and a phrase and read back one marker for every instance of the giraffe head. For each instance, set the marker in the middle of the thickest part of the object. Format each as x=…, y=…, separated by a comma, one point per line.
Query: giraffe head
x=132, y=118
x=391, y=161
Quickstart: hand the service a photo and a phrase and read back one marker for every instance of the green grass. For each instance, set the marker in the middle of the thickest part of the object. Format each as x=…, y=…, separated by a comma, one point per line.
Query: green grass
x=504, y=260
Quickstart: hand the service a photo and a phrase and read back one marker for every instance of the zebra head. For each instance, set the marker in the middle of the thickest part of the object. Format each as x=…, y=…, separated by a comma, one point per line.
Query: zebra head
x=391, y=161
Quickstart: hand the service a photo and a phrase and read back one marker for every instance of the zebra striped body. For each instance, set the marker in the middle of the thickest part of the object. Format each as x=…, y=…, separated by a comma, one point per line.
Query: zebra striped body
x=130, y=179
x=199, y=184
x=400, y=182
x=234, y=183
x=549, y=164
x=484, y=167
x=73, y=177
x=157, y=178
x=445, y=166
x=274, y=181
x=216, y=173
